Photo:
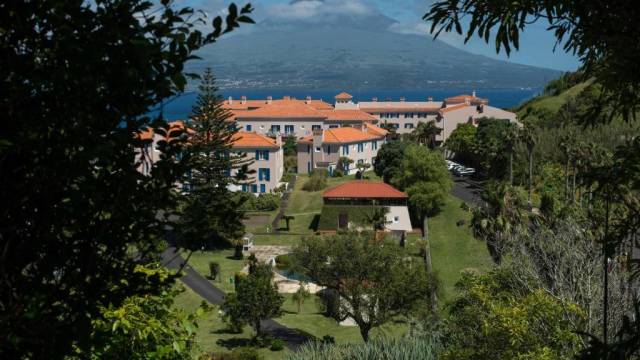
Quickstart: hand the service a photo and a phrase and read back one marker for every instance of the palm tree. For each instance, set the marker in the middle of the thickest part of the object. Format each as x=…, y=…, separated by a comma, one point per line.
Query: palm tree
x=498, y=218
x=425, y=133
x=528, y=137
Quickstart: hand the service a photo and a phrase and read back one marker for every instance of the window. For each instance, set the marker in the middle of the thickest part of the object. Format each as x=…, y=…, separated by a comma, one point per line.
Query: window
x=422, y=115
x=333, y=126
x=248, y=127
x=275, y=128
x=262, y=154
x=254, y=188
x=360, y=147
x=408, y=115
x=264, y=174
x=328, y=149
x=360, y=161
x=396, y=219
x=318, y=149
x=263, y=188
x=308, y=149
x=316, y=127
x=374, y=145
x=345, y=149
x=288, y=129
x=244, y=188
x=408, y=126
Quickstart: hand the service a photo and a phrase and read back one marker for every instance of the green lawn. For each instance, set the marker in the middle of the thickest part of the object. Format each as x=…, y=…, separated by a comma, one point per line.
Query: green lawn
x=212, y=336
x=309, y=320
x=199, y=261
x=453, y=248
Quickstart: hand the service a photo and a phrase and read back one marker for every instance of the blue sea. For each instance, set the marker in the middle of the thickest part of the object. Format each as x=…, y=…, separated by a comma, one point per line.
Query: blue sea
x=180, y=107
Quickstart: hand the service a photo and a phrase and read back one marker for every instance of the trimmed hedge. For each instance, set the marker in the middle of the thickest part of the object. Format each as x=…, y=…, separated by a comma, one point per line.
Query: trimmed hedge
x=330, y=213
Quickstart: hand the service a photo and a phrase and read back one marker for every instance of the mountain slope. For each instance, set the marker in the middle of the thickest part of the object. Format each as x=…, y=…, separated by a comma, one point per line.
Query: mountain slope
x=339, y=56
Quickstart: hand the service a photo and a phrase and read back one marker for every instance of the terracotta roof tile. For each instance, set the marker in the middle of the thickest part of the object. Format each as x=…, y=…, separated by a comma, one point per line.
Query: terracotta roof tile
x=364, y=189
x=343, y=135
x=283, y=109
x=453, y=108
x=252, y=140
x=464, y=98
x=375, y=130
x=345, y=115
x=343, y=96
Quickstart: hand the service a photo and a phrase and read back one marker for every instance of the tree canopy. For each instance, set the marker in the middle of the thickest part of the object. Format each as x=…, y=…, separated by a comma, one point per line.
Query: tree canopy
x=388, y=159
x=80, y=80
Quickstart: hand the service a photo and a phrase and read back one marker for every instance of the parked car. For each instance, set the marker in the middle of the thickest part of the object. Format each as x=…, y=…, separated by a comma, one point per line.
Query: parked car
x=464, y=171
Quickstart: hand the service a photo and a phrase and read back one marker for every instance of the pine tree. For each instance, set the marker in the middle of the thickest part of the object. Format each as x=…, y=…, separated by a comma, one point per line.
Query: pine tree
x=211, y=215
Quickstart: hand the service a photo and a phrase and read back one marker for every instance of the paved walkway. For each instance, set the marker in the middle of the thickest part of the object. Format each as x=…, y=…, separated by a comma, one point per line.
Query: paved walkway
x=172, y=259
x=275, y=225
x=467, y=190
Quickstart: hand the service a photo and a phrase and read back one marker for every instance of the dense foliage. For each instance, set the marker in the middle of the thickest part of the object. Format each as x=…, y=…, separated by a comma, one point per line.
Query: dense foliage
x=317, y=181
x=494, y=318
x=262, y=202
x=397, y=349
x=388, y=158
x=79, y=80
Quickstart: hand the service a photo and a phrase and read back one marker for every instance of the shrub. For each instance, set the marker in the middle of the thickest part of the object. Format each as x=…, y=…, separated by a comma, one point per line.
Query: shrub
x=328, y=339
x=317, y=181
x=338, y=173
x=245, y=353
x=262, y=202
x=214, y=270
x=283, y=261
x=277, y=345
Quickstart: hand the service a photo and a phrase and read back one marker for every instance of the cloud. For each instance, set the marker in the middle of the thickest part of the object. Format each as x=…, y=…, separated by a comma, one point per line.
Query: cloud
x=318, y=11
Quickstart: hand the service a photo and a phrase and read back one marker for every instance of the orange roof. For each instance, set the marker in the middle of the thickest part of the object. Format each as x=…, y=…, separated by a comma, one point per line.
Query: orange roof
x=343, y=135
x=283, y=109
x=464, y=98
x=344, y=96
x=239, y=104
x=147, y=134
x=364, y=189
x=252, y=140
x=453, y=108
x=375, y=130
x=345, y=115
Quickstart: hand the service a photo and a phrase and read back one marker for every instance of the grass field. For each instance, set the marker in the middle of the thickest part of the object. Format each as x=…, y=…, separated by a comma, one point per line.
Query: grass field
x=199, y=261
x=453, y=248
x=212, y=335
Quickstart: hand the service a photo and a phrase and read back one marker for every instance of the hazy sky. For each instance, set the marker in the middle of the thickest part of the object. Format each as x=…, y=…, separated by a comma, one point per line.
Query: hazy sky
x=536, y=43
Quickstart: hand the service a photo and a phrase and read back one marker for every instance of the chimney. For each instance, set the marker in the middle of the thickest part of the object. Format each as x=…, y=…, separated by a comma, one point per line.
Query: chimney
x=375, y=99
x=473, y=93
x=243, y=100
x=430, y=98
x=269, y=99
x=279, y=140
x=230, y=100
x=402, y=99
x=318, y=137
x=308, y=100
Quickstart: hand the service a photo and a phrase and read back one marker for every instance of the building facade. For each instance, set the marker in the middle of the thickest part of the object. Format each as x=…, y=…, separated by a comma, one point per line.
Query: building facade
x=323, y=149
x=266, y=160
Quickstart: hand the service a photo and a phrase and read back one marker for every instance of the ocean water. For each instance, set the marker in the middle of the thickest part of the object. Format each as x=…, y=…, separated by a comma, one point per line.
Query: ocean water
x=180, y=107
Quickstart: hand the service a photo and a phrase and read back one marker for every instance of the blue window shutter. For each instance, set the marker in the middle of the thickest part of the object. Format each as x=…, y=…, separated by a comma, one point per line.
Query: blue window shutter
x=266, y=154
x=263, y=188
x=267, y=175
x=254, y=188
x=260, y=174
x=257, y=154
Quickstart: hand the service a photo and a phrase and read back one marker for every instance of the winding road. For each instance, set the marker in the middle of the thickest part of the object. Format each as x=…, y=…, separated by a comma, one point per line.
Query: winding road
x=172, y=259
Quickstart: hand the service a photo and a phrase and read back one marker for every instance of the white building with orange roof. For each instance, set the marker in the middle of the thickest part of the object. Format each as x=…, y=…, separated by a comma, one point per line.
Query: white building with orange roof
x=448, y=114
x=324, y=147
x=290, y=116
x=150, y=153
x=267, y=161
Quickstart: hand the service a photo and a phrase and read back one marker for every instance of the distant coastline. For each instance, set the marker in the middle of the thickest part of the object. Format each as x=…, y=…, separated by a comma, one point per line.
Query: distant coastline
x=180, y=107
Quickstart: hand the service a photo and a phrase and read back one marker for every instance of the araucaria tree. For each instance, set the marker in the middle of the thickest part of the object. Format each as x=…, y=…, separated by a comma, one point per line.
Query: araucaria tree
x=211, y=216
x=375, y=281
x=256, y=299
x=79, y=81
